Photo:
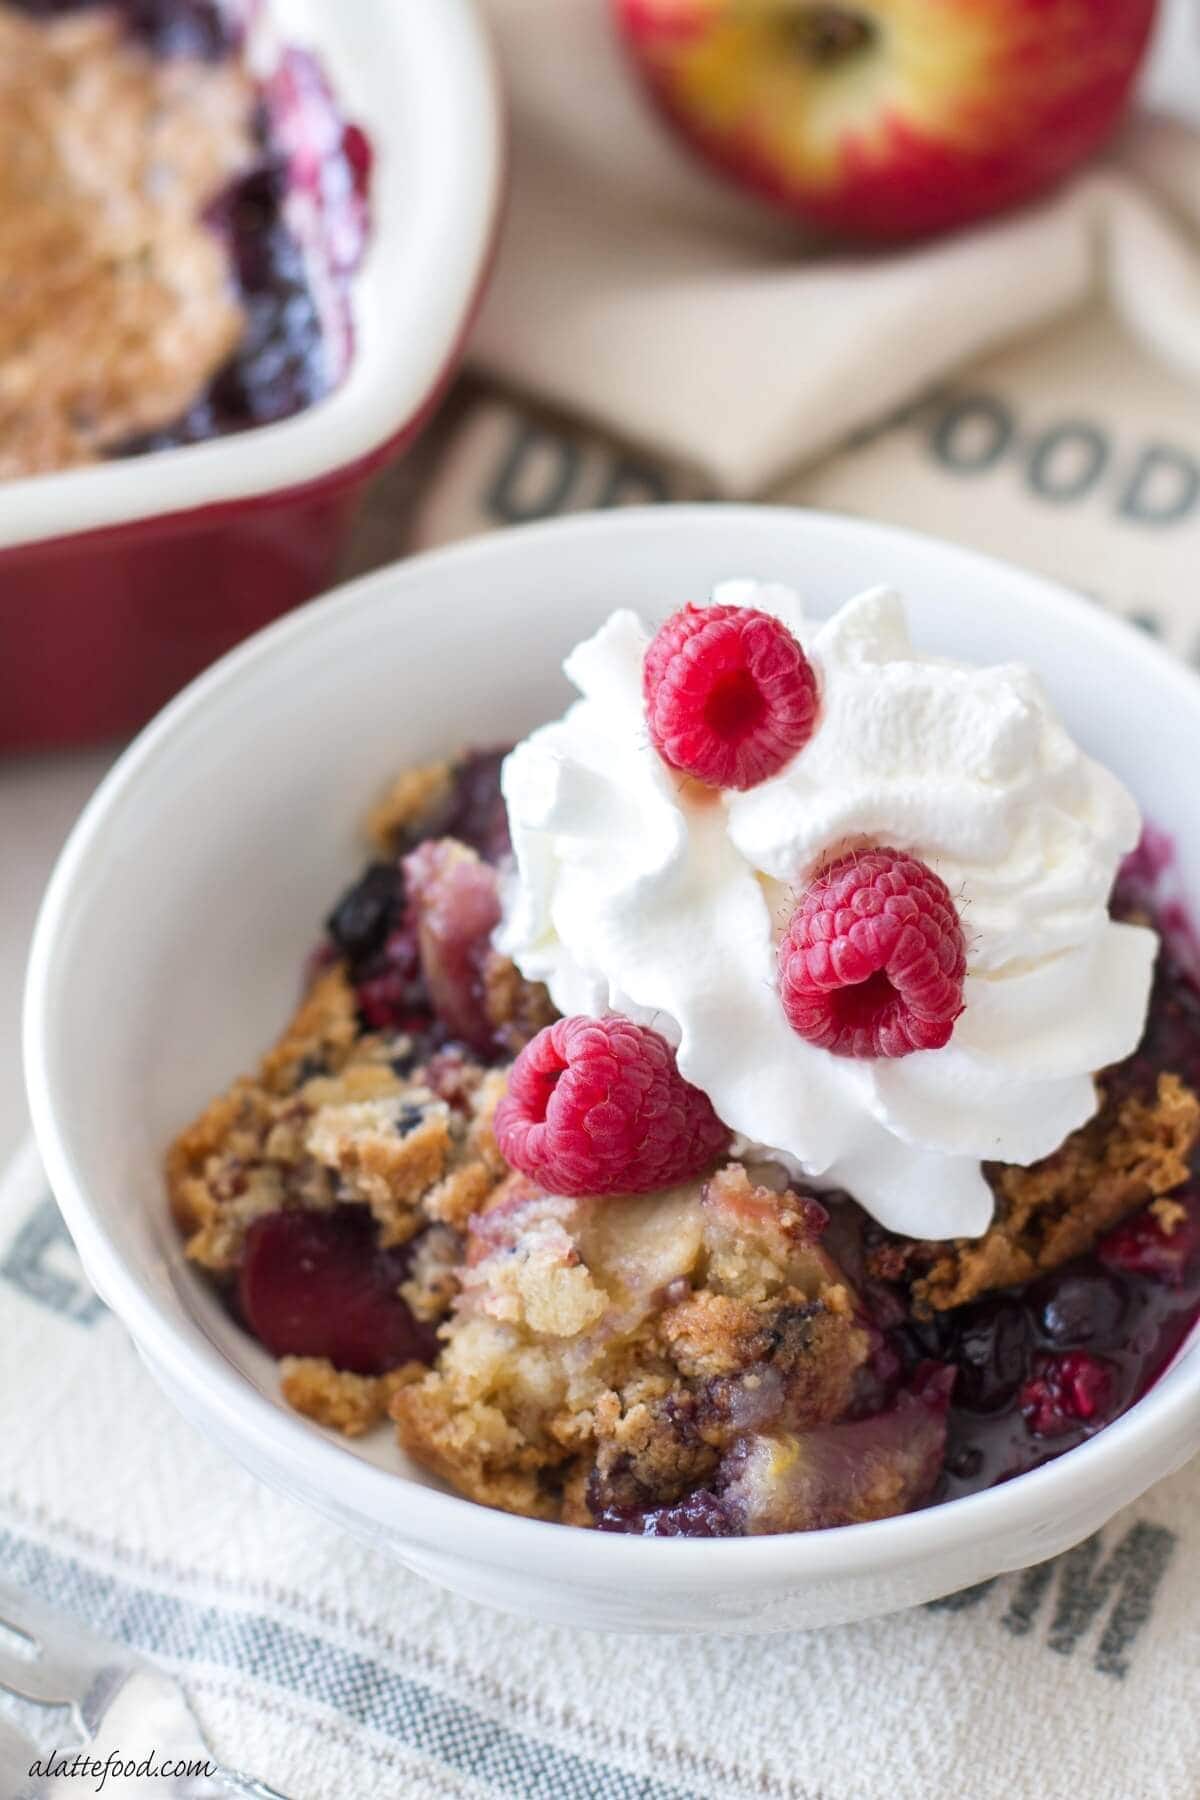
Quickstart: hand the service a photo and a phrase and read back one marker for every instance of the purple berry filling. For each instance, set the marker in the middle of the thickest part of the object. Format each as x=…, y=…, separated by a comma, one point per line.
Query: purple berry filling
x=701, y=1514
x=376, y=925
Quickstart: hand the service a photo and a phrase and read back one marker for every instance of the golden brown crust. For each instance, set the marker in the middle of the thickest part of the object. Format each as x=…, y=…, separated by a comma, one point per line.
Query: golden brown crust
x=477, y=1449
x=516, y=1009
x=640, y=1448
x=118, y=303
x=432, y=1279
x=459, y=1195
x=605, y=1352
x=381, y=1159
x=327, y=1120
x=414, y=797
x=467, y=1187
x=321, y=1034
x=710, y=1334
x=351, y=1404
x=1131, y=1152
x=1170, y=1215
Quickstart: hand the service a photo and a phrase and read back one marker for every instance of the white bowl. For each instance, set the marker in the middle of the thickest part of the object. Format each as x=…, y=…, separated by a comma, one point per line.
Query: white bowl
x=167, y=952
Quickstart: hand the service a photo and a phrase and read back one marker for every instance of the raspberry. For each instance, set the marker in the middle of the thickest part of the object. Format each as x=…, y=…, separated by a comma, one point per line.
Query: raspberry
x=360, y=921
x=390, y=990
x=1065, y=1391
x=1143, y=1245
x=597, y=1106
x=873, y=958
x=730, y=695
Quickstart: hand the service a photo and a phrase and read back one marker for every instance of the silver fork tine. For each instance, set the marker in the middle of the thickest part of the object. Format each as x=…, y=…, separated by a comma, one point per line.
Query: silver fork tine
x=78, y=1670
x=72, y=1666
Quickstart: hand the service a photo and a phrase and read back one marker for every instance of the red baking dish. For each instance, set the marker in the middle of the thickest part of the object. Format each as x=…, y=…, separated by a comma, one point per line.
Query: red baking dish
x=119, y=581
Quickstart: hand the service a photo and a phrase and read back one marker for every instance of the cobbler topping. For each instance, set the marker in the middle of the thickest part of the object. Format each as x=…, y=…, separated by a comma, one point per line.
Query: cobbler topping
x=1138, y=1147
x=696, y=1319
x=338, y=1399
x=730, y=1353
x=646, y=893
x=117, y=299
x=173, y=244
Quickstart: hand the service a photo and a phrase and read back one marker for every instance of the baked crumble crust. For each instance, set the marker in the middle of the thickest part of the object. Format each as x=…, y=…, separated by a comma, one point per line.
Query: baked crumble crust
x=1170, y=1214
x=318, y=1039
x=1136, y=1149
x=607, y=1352
x=414, y=801
x=515, y=1008
x=118, y=301
x=386, y=1153
x=327, y=1120
x=351, y=1404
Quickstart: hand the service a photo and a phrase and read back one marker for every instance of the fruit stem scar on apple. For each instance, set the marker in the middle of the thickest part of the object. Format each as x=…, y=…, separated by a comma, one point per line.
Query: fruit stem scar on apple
x=828, y=34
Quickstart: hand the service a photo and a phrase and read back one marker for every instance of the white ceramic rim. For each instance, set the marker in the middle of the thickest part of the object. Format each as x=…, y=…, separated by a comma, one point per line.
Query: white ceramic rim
x=299, y=1455
x=420, y=78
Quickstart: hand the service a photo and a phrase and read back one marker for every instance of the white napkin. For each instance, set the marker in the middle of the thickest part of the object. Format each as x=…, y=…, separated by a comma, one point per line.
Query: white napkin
x=634, y=290
x=324, y=1669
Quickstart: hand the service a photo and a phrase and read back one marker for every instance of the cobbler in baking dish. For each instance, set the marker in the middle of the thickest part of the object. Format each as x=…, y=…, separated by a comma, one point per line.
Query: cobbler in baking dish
x=766, y=1099
x=177, y=230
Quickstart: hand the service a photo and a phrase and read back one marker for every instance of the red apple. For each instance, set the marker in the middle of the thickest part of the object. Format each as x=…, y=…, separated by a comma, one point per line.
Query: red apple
x=890, y=119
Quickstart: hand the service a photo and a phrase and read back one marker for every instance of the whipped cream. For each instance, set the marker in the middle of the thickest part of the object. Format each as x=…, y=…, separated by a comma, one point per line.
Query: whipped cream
x=636, y=890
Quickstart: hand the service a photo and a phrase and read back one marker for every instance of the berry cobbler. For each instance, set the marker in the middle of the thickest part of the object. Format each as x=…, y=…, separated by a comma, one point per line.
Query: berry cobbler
x=181, y=207
x=767, y=1098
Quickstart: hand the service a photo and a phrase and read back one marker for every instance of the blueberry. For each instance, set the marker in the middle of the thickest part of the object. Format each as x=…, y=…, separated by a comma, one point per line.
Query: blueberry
x=991, y=1348
x=359, y=922
x=278, y=368
x=1080, y=1308
x=266, y=259
x=478, y=815
x=247, y=213
x=964, y=1461
x=409, y=1118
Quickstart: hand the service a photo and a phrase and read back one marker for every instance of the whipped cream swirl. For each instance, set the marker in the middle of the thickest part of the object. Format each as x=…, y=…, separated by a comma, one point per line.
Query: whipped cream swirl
x=639, y=891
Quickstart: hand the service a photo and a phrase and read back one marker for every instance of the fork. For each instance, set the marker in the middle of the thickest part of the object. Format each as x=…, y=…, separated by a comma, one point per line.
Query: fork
x=70, y=1667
